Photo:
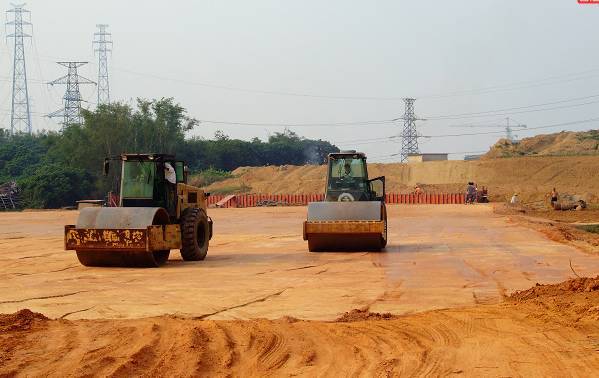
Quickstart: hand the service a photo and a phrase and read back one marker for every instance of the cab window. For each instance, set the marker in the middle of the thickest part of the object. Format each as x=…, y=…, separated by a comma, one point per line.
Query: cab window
x=180, y=171
x=138, y=179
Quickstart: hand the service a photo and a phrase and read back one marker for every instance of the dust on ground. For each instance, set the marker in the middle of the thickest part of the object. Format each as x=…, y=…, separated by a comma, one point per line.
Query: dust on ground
x=547, y=330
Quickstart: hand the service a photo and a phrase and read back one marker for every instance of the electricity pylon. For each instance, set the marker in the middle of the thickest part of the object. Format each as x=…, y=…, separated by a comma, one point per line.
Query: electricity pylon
x=20, y=119
x=102, y=46
x=71, y=114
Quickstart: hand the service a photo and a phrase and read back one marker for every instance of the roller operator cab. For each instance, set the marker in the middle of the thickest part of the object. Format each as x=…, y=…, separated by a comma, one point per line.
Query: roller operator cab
x=353, y=216
x=347, y=179
x=158, y=211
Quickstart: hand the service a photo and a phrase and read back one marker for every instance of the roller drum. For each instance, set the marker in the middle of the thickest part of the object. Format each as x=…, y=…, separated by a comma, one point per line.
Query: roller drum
x=346, y=226
x=121, y=218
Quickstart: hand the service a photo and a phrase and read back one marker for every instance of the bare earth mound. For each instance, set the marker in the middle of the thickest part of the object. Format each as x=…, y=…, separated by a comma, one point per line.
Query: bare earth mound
x=558, y=144
x=544, y=331
x=531, y=177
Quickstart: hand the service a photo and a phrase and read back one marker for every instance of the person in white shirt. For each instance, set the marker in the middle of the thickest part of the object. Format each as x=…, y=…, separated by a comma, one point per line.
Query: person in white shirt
x=169, y=173
x=514, y=200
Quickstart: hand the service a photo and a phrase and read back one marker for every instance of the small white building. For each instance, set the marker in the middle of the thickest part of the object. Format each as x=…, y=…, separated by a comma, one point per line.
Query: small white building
x=472, y=157
x=421, y=158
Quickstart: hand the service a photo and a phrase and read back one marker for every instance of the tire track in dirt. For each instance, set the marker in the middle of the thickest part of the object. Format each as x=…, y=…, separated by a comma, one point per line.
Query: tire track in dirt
x=262, y=299
x=44, y=297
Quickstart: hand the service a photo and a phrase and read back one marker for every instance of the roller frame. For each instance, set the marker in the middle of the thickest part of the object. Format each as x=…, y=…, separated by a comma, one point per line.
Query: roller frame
x=150, y=239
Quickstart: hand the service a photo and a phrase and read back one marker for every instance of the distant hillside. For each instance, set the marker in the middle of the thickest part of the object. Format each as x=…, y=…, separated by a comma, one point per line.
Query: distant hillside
x=559, y=144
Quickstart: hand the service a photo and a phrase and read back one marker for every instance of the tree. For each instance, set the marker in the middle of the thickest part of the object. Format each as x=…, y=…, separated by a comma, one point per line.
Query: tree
x=54, y=186
x=56, y=169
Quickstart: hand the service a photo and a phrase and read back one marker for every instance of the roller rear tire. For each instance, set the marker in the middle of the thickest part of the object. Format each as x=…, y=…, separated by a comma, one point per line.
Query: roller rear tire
x=195, y=235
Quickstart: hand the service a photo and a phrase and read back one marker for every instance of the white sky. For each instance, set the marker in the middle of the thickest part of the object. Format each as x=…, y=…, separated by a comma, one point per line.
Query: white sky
x=382, y=49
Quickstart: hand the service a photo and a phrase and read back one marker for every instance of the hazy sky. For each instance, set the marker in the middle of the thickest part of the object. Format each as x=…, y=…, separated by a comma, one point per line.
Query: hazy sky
x=455, y=57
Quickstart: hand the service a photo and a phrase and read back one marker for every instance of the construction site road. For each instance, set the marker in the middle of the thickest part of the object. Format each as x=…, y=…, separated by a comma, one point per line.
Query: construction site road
x=258, y=266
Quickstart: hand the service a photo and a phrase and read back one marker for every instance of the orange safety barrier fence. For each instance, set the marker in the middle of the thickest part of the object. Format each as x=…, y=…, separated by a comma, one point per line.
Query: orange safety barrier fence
x=253, y=200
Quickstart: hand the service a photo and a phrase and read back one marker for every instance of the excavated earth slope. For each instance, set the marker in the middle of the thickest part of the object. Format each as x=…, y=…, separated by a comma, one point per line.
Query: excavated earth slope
x=563, y=143
x=531, y=177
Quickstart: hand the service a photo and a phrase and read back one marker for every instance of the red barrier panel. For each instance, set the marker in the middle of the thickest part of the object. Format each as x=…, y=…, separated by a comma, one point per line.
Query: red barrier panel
x=252, y=200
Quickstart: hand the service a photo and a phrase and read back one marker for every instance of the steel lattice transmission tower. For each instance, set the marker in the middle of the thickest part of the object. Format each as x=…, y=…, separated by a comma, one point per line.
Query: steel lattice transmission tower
x=71, y=113
x=102, y=46
x=20, y=119
x=409, y=135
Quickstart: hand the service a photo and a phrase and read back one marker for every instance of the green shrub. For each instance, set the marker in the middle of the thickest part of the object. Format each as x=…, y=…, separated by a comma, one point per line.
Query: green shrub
x=232, y=190
x=54, y=186
x=209, y=176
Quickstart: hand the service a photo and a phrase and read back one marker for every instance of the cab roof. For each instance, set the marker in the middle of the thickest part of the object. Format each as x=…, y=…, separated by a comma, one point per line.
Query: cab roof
x=347, y=153
x=148, y=157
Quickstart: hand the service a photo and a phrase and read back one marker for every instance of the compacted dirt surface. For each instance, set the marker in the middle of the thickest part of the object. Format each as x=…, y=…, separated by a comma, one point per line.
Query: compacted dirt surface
x=436, y=302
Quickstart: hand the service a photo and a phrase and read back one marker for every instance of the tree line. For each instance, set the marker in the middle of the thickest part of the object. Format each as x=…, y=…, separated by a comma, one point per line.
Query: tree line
x=54, y=169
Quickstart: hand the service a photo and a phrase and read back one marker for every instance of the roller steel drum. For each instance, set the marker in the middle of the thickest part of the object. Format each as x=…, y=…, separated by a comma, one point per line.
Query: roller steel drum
x=123, y=218
x=345, y=226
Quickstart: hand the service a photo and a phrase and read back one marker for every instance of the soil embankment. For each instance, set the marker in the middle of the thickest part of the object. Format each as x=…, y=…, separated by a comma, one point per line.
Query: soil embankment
x=531, y=177
x=544, y=331
x=556, y=144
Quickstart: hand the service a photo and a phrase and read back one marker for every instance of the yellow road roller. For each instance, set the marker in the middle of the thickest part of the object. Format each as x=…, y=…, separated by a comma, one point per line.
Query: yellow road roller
x=157, y=212
x=353, y=216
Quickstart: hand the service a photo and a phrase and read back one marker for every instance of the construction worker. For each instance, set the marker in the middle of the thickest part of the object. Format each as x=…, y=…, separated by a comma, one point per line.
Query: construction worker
x=417, y=190
x=169, y=173
x=515, y=200
x=484, y=195
x=554, y=197
x=470, y=193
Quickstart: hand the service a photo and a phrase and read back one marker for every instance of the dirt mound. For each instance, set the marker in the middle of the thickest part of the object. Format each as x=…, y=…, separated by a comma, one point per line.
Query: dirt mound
x=558, y=144
x=531, y=177
x=577, y=285
x=569, y=302
x=486, y=340
x=357, y=315
x=20, y=321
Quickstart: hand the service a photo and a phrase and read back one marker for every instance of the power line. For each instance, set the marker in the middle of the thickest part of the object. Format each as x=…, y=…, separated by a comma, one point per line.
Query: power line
x=530, y=128
x=486, y=113
x=258, y=91
x=492, y=89
x=453, y=117
x=513, y=108
x=392, y=138
x=516, y=86
x=355, y=123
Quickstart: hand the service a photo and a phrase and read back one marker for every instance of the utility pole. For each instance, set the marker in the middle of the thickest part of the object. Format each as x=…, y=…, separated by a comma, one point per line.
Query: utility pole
x=20, y=119
x=409, y=135
x=102, y=46
x=71, y=114
x=509, y=131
